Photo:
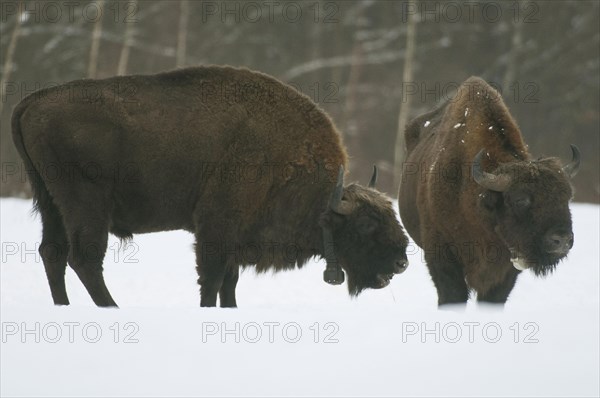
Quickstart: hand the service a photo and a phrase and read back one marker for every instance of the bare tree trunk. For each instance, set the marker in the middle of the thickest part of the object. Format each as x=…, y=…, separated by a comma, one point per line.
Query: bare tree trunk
x=513, y=55
x=182, y=33
x=317, y=31
x=96, y=35
x=126, y=49
x=12, y=185
x=407, y=76
x=350, y=120
x=337, y=72
x=351, y=88
x=8, y=61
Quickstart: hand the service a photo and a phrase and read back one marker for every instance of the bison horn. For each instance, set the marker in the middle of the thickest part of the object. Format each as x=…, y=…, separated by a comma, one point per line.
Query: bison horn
x=572, y=168
x=498, y=183
x=373, y=178
x=336, y=203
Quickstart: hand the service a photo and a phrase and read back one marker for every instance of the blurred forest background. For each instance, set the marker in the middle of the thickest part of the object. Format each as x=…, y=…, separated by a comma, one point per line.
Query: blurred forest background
x=372, y=65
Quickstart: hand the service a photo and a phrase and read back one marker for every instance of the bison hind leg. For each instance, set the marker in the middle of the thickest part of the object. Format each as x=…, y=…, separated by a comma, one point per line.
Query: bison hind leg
x=448, y=277
x=53, y=251
x=87, y=230
x=88, y=246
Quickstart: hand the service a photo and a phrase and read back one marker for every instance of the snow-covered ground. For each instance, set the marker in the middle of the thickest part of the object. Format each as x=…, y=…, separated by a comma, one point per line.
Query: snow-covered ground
x=293, y=335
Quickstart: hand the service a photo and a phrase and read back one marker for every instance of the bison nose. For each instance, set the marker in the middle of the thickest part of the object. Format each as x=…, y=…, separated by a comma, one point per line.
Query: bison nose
x=558, y=243
x=400, y=266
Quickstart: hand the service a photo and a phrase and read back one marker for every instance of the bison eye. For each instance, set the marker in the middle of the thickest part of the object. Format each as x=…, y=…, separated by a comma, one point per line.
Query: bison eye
x=366, y=225
x=522, y=202
x=489, y=200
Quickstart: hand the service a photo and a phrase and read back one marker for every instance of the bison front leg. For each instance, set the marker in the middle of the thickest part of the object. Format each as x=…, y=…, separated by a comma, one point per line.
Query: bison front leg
x=211, y=267
x=227, y=292
x=447, y=275
x=498, y=294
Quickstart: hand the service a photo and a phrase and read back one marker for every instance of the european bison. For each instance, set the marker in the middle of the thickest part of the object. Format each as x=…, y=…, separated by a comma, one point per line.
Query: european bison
x=477, y=203
x=243, y=161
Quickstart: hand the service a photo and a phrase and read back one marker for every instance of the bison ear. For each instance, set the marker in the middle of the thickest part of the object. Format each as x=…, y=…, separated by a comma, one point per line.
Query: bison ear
x=490, y=200
x=330, y=220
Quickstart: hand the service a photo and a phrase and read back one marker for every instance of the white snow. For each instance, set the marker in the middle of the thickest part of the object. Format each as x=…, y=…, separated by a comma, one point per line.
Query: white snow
x=457, y=125
x=293, y=334
x=427, y=123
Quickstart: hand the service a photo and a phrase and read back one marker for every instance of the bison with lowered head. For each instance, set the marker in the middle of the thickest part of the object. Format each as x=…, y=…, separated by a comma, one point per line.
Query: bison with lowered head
x=477, y=203
x=249, y=165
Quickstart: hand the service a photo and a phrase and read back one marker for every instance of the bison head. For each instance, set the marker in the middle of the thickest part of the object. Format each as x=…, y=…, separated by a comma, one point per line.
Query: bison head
x=363, y=236
x=528, y=204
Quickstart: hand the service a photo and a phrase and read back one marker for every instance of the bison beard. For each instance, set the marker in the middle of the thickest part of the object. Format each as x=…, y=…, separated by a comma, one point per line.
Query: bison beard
x=233, y=156
x=477, y=203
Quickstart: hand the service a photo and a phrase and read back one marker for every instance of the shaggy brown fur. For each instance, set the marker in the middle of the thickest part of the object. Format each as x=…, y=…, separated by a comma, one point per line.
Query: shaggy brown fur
x=241, y=160
x=469, y=233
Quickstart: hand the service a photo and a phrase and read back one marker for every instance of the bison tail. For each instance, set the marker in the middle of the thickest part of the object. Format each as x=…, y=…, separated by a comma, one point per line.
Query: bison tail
x=41, y=196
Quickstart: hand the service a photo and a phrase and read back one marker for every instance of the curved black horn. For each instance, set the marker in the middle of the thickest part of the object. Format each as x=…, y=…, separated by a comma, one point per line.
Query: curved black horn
x=373, y=178
x=572, y=168
x=335, y=202
x=498, y=183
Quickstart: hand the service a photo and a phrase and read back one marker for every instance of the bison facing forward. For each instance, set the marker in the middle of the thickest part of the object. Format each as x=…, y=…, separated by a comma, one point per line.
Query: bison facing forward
x=477, y=203
x=243, y=161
